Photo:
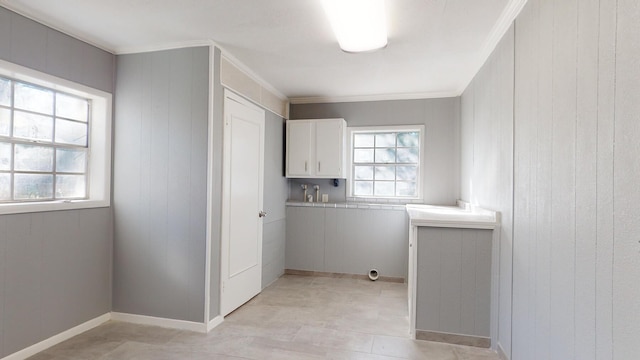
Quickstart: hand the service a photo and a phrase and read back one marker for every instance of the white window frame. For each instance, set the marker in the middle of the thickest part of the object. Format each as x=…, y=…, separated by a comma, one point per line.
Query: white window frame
x=385, y=129
x=99, y=153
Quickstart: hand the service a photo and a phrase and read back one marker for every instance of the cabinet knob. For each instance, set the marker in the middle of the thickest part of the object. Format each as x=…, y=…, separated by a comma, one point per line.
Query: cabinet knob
x=262, y=214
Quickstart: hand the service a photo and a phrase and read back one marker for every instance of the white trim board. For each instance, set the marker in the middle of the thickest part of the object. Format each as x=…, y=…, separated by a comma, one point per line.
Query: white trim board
x=215, y=322
x=381, y=97
x=58, y=338
x=161, y=322
x=507, y=17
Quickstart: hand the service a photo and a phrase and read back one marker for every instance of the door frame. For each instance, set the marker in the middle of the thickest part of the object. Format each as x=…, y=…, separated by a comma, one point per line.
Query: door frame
x=226, y=183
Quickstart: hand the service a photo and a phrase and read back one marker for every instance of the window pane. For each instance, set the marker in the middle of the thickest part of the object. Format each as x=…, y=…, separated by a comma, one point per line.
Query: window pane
x=406, y=189
x=384, y=188
x=33, y=158
x=408, y=155
x=71, y=107
x=70, y=160
x=29, y=97
x=69, y=132
x=5, y=92
x=5, y=121
x=33, y=186
x=386, y=140
x=409, y=139
x=385, y=156
x=70, y=186
x=407, y=173
x=5, y=187
x=385, y=173
x=363, y=156
x=363, y=188
x=5, y=156
x=363, y=173
x=32, y=126
x=363, y=140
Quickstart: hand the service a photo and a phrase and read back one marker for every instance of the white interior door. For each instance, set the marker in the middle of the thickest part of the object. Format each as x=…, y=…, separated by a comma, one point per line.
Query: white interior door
x=241, y=250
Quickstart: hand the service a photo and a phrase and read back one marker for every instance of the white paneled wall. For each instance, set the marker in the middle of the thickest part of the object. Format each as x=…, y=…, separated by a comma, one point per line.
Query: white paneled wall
x=576, y=124
x=487, y=169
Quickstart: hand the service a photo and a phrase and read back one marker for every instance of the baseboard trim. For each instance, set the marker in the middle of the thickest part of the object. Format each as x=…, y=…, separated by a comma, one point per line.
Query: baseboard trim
x=457, y=339
x=501, y=353
x=341, y=276
x=56, y=339
x=213, y=323
x=162, y=322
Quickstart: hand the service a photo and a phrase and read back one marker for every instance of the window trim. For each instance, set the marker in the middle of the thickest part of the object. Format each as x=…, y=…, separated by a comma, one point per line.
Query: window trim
x=383, y=129
x=99, y=153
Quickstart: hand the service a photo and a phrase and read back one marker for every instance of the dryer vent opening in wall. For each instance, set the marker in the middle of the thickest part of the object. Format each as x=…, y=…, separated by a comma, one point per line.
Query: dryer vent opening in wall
x=373, y=274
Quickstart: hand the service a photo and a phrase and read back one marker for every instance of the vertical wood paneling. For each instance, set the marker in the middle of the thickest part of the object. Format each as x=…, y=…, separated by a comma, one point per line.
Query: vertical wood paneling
x=586, y=168
x=30, y=51
x=563, y=209
x=349, y=241
x=604, y=179
x=55, y=270
x=523, y=240
x=576, y=129
x=429, y=273
x=468, y=283
x=483, y=241
x=453, y=277
x=198, y=137
x=544, y=176
x=31, y=44
x=451, y=291
x=160, y=183
x=626, y=270
x=487, y=170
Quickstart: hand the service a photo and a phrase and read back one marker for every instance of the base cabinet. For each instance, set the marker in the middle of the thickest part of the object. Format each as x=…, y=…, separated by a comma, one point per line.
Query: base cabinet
x=451, y=277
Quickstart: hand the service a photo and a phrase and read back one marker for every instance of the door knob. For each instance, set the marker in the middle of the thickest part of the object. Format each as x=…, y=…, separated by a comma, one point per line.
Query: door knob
x=262, y=214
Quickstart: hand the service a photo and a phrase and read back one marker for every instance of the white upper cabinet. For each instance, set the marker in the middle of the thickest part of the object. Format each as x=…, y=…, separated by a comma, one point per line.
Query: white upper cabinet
x=316, y=148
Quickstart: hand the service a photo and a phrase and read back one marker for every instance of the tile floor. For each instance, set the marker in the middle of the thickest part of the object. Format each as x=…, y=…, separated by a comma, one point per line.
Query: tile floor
x=297, y=317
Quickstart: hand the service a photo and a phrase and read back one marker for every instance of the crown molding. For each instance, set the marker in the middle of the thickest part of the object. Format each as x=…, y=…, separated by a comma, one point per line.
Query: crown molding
x=507, y=17
x=124, y=50
x=381, y=97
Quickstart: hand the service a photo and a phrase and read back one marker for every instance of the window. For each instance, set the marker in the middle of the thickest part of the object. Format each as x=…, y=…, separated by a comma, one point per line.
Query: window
x=43, y=143
x=55, y=143
x=385, y=162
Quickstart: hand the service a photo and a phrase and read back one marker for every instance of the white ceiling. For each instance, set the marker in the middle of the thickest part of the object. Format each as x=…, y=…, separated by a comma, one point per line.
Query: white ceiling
x=435, y=46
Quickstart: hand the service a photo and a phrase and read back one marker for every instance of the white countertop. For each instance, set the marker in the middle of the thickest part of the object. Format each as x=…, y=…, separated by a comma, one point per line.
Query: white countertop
x=452, y=217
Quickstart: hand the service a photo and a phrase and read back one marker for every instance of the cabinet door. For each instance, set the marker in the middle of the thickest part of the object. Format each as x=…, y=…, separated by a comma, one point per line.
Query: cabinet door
x=298, y=148
x=329, y=148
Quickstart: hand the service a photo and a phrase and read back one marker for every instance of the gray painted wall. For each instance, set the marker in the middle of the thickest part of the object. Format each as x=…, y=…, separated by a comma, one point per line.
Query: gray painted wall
x=33, y=45
x=441, y=118
x=56, y=273
x=577, y=123
x=56, y=266
x=275, y=196
x=487, y=169
x=160, y=183
x=453, y=280
x=347, y=241
x=216, y=196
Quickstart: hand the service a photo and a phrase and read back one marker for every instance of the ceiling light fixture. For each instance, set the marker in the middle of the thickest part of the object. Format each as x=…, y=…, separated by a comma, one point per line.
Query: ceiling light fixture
x=359, y=25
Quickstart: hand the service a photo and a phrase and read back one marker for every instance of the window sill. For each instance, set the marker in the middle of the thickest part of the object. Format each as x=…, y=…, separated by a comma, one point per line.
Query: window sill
x=35, y=207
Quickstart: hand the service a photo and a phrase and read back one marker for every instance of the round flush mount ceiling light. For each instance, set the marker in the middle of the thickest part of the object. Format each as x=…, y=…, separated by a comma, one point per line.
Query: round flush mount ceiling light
x=359, y=25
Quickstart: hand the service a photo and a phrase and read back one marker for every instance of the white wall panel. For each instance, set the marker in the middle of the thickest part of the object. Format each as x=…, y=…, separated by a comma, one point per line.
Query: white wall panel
x=576, y=263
